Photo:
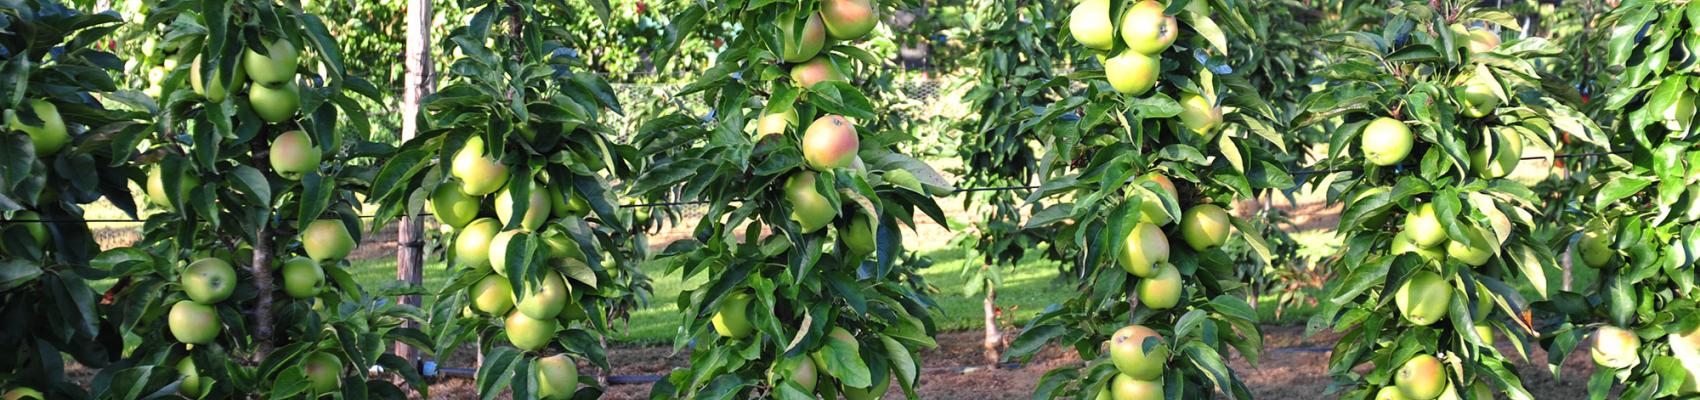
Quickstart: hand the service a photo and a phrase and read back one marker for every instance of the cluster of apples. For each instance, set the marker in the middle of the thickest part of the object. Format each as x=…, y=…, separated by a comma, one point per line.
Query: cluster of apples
x=274, y=95
x=1145, y=250
x=481, y=243
x=1145, y=32
x=831, y=141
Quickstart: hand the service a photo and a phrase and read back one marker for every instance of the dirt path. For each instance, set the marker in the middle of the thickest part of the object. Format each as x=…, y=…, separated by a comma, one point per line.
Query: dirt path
x=1292, y=367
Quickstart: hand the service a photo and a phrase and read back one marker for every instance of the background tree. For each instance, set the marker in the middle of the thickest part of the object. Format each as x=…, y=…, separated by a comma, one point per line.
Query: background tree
x=797, y=310
x=1443, y=255
x=514, y=163
x=1167, y=137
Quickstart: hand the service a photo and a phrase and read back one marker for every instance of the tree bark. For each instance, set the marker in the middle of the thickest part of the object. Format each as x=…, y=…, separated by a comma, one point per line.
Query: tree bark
x=261, y=269
x=994, y=339
x=419, y=83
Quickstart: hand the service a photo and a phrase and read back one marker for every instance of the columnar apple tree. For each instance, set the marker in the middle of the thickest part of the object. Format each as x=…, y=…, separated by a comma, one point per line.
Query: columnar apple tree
x=803, y=294
x=1160, y=141
x=1639, y=315
x=1433, y=112
x=513, y=164
x=57, y=155
x=255, y=159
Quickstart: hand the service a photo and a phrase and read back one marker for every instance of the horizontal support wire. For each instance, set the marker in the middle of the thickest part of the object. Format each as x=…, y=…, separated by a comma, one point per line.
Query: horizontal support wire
x=955, y=191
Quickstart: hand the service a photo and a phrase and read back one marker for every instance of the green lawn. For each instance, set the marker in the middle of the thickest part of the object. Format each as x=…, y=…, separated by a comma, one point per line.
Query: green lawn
x=1028, y=289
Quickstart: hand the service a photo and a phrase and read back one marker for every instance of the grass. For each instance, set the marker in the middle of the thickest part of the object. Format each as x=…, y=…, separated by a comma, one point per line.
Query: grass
x=1027, y=289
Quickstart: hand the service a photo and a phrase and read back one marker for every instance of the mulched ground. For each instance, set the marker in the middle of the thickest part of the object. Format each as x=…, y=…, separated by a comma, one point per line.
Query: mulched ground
x=1293, y=367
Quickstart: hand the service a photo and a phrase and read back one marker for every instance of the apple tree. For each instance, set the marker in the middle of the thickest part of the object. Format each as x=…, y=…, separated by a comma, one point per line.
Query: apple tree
x=1637, y=315
x=514, y=165
x=58, y=155
x=256, y=158
x=803, y=294
x=999, y=150
x=1154, y=143
x=1443, y=256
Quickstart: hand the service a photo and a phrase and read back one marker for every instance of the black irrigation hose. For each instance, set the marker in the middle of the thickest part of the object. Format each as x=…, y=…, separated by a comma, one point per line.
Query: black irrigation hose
x=955, y=191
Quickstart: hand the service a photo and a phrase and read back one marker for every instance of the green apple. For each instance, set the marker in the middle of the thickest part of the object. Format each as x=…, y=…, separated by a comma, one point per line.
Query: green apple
x=493, y=295
x=1200, y=115
x=1482, y=41
x=156, y=187
x=830, y=143
x=1473, y=255
x=277, y=66
x=1386, y=141
x=859, y=235
x=193, y=323
x=1146, y=29
x=799, y=47
x=303, y=278
x=50, y=135
x=841, y=336
x=1132, y=72
x=536, y=212
x=546, y=299
x=452, y=206
x=1205, y=226
x=557, y=377
x=208, y=280
x=1139, y=352
x=472, y=245
x=776, y=123
x=732, y=319
x=1685, y=346
x=275, y=103
x=324, y=373
x=214, y=89
x=809, y=208
x=849, y=19
x=1144, y=249
x=1163, y=291
x=1125, y=387
x=1595, y=245
x=327, y=240
x=1423, y=227
x=797, y=369
x=1477, y=96
x=191, y=386
x=293, y=155
x=499, y=250
x=1499, y=159
x=1615, y=347
x=527, y=333
x=815, y=70
x=22, y=393
x=1151, y=208
x=479, y=174
x=1424, y=298
x=1421, y=378
x=1090, y=25
x=36, y=230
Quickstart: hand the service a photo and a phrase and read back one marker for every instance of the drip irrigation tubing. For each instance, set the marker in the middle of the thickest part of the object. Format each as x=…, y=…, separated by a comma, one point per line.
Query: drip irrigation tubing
x=954, y=191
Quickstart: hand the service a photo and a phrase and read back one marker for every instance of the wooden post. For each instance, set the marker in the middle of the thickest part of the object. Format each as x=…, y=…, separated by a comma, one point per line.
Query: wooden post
x=419, y=83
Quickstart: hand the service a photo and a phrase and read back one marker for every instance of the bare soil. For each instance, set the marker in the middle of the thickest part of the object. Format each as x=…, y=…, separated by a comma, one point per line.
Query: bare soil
x=1292, y=366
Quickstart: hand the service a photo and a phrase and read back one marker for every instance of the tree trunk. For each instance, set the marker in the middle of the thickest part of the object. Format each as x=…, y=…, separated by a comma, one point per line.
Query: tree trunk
x=261, y=269
x=994, y=339
x=418, y=84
